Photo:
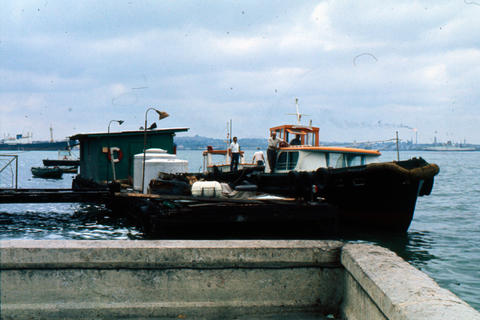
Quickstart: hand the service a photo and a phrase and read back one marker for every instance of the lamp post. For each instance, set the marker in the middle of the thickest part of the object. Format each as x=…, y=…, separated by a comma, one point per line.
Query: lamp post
x=161, y=115
x=110, y=149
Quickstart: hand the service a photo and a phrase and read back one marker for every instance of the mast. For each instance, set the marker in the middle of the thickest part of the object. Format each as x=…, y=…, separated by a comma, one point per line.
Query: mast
x=51, y=133
x=298, y=114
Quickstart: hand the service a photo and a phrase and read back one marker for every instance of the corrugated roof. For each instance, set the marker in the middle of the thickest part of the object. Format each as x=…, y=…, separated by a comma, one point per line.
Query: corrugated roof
x=80, y=136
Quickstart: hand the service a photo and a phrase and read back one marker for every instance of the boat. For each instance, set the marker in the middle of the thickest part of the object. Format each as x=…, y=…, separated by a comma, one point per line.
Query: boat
x=377, y=195
x=47, y=173
x=34, y=145
x=65, y=158
x=25, y=142
x=367, y=192
x=222, y=165
x=449, y=146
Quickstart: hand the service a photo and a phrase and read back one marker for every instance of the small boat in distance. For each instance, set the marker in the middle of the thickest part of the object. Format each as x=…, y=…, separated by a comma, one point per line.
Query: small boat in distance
x=47, y=173
x=65, y=158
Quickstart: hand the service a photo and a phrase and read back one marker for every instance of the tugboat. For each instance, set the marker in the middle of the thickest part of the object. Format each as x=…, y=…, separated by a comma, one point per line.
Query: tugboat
x=373, y=194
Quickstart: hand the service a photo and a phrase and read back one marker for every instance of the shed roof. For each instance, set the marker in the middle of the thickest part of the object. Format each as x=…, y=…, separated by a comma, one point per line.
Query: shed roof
x=82, y=136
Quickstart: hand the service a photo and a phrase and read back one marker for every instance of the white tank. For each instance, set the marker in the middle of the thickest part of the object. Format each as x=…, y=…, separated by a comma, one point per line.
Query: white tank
x=207, y=189
x=156, y=165
x=153, y=153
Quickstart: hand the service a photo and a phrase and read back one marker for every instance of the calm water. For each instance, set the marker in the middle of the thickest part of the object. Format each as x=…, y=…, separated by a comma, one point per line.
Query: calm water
x=442, y=241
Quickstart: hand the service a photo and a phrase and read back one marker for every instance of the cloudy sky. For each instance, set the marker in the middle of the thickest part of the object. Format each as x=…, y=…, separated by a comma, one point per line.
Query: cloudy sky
x=360, y=69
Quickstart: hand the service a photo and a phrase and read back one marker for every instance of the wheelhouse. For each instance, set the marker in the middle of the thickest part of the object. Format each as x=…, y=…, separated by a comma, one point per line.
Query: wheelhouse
x=308, y=135
x=302, y=152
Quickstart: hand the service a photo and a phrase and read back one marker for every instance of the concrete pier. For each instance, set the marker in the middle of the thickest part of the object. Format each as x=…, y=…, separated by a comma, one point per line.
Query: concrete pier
x=215, y=279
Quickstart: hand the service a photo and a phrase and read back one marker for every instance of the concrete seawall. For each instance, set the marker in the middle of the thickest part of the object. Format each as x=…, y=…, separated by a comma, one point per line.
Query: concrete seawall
x=215, y=279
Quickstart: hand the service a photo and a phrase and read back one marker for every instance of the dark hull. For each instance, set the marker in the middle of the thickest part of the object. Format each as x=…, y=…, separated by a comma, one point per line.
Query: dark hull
x=376, y=198
x=41, y=145
x=47, y=173
x=164, y=219
x=380, y=197
x=69, y=163
x=384, y=204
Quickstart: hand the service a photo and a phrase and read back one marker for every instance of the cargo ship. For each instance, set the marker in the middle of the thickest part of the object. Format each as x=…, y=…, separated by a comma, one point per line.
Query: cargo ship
x=24, y=142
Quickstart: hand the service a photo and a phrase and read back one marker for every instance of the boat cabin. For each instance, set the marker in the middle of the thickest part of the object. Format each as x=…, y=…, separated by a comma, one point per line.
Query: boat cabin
x=301, y=151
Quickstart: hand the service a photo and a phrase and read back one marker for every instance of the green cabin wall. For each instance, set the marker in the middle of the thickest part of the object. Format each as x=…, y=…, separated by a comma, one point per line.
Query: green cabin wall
x=94, y=164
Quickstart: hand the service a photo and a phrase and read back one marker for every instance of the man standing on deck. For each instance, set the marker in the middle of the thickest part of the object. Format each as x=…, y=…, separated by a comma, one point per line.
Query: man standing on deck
x=273, y=145
x=235, y=154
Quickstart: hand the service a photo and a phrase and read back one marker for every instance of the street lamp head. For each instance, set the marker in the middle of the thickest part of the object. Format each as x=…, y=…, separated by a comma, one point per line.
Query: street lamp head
x=161, y=114
x=118, y=121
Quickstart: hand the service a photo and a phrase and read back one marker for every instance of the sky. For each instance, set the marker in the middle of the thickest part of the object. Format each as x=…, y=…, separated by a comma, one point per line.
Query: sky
x=361, y=70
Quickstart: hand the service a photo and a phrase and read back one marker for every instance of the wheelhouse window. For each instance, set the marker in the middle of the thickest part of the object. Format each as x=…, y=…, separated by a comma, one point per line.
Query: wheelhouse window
x=336, y=160
x=287, y=160
x=353, y=160
x=310, y=139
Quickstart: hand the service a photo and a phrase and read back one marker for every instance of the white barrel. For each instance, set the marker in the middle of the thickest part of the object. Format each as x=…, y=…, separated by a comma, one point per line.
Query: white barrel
x=207, y=189
x=153, y=153
x=154, y=166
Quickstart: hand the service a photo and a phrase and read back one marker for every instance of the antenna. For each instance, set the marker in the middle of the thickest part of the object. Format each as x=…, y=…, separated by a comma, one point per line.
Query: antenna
x=298, y=114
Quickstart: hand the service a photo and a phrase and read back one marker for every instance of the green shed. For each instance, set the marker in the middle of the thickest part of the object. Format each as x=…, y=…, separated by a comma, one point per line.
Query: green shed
x=94, y=156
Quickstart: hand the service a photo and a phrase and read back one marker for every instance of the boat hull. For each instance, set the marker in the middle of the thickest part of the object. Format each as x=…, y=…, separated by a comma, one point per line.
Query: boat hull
x=47, y=173
x=227, y=219
x=380, y=204
x=376, y=197
x=380, y=196
x=44, y=145
x=60, y=162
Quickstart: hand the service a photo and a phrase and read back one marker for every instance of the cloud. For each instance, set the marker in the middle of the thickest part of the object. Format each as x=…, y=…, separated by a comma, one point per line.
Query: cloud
x=352, y=64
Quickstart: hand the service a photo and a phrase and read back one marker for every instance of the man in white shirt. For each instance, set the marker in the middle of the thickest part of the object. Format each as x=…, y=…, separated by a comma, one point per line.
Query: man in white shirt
x=273, y=145
x=235, y=153
x=258, y=158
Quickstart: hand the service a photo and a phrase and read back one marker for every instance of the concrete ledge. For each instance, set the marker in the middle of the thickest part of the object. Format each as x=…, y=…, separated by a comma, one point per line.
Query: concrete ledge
x=115, y=279
x=381, y=285
x=111, y=254
x=215, y=279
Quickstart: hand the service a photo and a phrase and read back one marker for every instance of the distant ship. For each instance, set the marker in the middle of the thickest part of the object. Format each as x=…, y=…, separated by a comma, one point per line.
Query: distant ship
x=23, y=142
x=449, y=146
x=34, y=145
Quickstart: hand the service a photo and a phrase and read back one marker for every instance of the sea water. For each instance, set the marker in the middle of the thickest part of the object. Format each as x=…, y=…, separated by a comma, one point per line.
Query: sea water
x=443, y=239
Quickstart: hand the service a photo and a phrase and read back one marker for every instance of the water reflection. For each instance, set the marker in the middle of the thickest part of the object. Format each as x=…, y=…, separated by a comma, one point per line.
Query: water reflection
x=413, y=246
x=65, y=221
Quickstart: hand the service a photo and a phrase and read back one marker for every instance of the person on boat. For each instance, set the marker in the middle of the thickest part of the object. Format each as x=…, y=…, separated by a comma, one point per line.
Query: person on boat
x=235, y=154
x=273, y=145
x=296, y=141
x=259, y=158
